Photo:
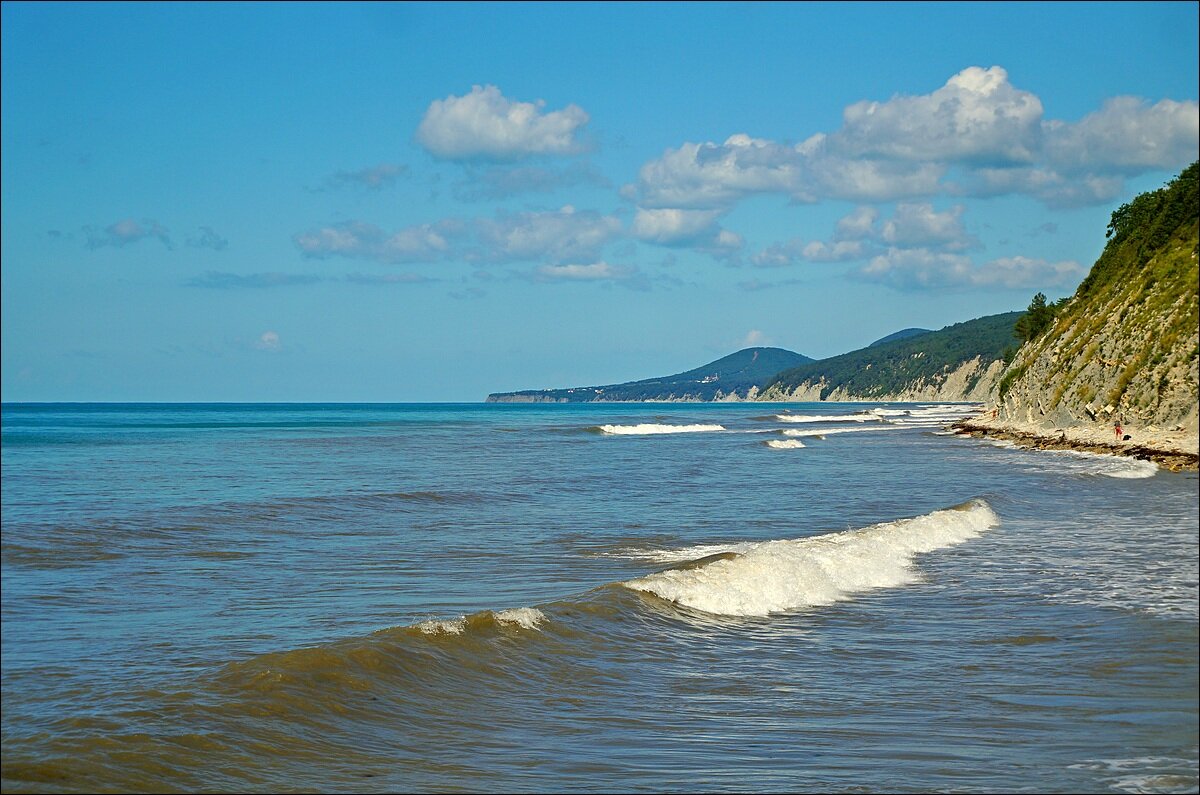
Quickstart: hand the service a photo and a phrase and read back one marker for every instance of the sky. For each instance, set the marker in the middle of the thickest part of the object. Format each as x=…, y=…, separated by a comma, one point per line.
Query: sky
x=431, y=202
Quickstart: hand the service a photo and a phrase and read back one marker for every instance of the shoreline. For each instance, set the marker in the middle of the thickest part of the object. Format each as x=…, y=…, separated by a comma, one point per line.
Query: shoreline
x=1169, y=450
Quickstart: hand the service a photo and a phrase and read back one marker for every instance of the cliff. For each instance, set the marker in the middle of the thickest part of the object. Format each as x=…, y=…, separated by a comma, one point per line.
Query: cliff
x=1125, y=346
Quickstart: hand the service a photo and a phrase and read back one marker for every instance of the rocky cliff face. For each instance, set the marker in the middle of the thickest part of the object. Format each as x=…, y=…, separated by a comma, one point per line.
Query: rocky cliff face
x=1125, y=346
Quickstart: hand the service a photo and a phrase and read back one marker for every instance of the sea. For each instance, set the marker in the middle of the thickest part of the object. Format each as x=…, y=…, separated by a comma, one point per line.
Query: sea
x=643, y=597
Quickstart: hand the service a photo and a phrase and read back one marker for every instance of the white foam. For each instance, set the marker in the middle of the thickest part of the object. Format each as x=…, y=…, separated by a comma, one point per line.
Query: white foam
x=824, y=417
x=1112, y=466
x=827, y=431
x=785, y=444
x=647, y=429
x=774, y=576
x=451, y=626
x=526, y=617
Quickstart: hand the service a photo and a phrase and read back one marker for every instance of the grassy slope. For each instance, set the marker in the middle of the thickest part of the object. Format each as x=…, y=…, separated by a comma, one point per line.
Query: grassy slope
x=892, y=367
x=1128, y=337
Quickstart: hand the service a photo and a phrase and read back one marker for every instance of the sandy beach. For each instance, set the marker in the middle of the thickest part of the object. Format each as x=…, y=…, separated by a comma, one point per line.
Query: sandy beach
x=1173, y=449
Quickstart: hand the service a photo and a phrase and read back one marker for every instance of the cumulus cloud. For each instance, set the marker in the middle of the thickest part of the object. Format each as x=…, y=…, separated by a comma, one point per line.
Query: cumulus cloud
x=915, y=269
x=560, y=235
x=125, y=232
x=358, y=240
x=486, y=125
x=227, y=281
x=1127, y=134
x=919, y=225
x=207, y=237
x=376, y=177
x=837, y=251
x=681, y=227
x=857, y=225
x=978, y=127
x=977, y=116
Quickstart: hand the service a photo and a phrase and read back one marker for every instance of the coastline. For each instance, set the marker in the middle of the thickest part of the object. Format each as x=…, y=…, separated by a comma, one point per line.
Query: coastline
x=1174, y=450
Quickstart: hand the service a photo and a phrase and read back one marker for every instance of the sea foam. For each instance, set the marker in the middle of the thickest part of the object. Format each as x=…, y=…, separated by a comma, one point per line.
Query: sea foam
x=775, y=576
x=646, y=429
x=785, y=444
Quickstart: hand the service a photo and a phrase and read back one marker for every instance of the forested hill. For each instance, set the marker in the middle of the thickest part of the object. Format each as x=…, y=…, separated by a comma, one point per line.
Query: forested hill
x=1126, y=344
x=736, y=376
x=959, y=362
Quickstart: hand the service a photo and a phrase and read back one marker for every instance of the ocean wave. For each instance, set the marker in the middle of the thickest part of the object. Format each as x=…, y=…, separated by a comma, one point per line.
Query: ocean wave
x=776, y=576
x=1081, y=461
x=646, y=429
x=859, y=417
x=524, y=617
x=827, y=431
x=785, y=444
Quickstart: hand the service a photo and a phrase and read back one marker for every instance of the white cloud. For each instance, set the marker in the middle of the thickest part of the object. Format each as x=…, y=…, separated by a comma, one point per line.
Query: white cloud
x=485, y=125
x=358, y=240
x=1127, y=133
x=1028, y=272
x=978, y=127
x=753, y=339
x=913, y=269
x=596, y=271
x=977, y=116
x=837, y=251
x=559, y=235
x=857, y=225
x=712, y=175
x=779, y=255
x=674, y=226
x=919, y=225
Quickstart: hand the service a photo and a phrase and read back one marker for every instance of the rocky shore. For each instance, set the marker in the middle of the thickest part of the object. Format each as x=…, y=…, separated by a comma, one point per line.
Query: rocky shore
x=1176, y=450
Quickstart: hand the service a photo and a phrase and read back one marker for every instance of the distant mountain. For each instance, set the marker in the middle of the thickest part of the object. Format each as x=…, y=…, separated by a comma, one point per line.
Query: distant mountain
x=737, y=376
x=960, y=362
x=1127, y=344
x=902, y=334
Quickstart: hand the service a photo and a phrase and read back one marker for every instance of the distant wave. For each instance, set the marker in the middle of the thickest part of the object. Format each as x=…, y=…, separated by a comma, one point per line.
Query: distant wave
x=860, y=417
x=775, y=576
x=828, y=431
x=647, y=429
x=785, y=444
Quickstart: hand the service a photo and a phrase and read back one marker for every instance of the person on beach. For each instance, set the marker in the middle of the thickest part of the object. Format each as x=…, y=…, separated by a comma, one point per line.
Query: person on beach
x=1117, y=429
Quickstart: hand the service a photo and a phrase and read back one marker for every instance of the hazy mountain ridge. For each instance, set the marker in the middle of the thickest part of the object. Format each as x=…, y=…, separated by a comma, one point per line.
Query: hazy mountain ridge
x=737, y=376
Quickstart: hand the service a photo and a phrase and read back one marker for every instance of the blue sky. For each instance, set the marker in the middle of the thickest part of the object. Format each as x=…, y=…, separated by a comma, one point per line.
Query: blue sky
x=429, y=202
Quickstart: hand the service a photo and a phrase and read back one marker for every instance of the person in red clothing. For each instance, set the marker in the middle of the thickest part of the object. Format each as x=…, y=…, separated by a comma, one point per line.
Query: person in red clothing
x=1117, y=429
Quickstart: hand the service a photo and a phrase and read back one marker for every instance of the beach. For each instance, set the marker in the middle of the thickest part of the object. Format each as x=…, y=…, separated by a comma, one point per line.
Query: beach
x=1175, y=449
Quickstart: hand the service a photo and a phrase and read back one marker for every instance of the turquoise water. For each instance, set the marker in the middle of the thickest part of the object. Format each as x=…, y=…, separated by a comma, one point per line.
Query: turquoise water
x=506, y=597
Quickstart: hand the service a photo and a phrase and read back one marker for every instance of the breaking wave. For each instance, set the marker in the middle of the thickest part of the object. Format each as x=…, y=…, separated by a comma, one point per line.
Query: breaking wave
x=785, y=444
x=647, y=429
x=775, y=576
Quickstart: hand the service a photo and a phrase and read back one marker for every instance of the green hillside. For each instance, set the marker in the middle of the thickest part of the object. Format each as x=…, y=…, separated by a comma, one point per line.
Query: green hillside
x=1126, y=342
x=891, y=368
x=736, y=374
x=902, y=334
